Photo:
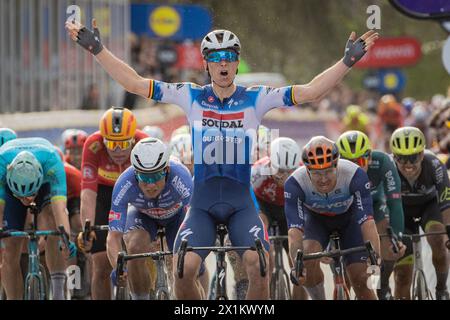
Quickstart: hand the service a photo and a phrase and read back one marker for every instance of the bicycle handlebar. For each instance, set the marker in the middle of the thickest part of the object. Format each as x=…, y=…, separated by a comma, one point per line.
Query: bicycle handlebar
x=301, y=257
x=64, y=236
x=183, y=249
x=38, y=233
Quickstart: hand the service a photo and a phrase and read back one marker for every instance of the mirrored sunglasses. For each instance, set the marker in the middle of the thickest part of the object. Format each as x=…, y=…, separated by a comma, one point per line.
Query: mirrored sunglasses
x=217, y=56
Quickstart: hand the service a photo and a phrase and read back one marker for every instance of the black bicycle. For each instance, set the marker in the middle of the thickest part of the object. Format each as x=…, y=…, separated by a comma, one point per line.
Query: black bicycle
x=221, y=265
x=279, y=283
x=341, y=291
x=163, y=289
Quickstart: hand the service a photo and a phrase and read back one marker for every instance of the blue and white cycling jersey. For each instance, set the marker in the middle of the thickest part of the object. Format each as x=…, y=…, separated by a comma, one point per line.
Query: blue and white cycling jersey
x=47, y=156
x=351, y=193
x=222, y=132
x=172, y=200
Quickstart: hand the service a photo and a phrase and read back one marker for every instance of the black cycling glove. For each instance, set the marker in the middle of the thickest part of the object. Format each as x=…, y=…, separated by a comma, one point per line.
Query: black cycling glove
x=354, y=51
x=90, y=40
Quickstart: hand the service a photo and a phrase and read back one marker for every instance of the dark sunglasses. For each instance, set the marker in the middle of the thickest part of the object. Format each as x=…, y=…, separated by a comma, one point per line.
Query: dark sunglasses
x=413, y=158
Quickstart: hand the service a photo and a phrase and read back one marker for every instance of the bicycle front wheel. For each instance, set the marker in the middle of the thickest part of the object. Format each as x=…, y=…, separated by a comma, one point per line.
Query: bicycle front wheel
x=32, y=289
x=162, y=295
x=280, y=287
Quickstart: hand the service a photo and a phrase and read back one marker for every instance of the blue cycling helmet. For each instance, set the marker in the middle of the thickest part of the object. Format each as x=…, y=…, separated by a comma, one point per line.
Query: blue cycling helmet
x=7, y=134
x=24, y=175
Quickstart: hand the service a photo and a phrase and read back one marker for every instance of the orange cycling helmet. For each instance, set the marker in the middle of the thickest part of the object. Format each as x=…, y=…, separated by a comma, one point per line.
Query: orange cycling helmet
x=118, y=124
x=320, y=153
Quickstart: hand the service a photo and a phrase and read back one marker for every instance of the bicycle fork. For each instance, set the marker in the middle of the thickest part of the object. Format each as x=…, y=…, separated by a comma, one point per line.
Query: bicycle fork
x=221, y=267
x=33, y=270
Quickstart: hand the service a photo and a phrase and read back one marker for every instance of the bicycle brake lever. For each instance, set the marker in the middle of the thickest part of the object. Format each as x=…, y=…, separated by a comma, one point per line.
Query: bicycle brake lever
x=86, y=230
x=393, y=238
x=181, y=254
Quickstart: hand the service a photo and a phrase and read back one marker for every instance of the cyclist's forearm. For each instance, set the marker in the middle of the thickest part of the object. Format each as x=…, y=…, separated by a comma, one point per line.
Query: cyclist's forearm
x=370, y=233
x=119, y=71
x=396, y=216
x=321, y=84
x=88, y=204
x=295, y=237
x=59, y=208
x=113, y=246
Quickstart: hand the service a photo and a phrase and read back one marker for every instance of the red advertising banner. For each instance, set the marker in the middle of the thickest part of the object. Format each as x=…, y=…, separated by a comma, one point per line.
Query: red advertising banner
x=189, y=56
x=392, y=52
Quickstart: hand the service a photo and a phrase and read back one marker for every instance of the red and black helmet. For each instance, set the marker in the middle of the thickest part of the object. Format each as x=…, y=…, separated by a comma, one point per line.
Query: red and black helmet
x=74, y=138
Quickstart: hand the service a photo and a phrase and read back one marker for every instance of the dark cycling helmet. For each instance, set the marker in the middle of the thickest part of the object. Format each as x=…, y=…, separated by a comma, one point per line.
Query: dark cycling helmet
x=320, y=153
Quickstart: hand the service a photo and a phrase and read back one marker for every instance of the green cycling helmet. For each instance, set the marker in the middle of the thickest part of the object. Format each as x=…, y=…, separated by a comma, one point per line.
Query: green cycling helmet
x=354, y=144
x=407, y=141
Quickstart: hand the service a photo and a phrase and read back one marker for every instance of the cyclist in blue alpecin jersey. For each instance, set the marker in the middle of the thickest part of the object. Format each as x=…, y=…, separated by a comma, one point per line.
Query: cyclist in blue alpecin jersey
x=147, y=195
x=330, y=194
x=224, y=118
x=31, y=171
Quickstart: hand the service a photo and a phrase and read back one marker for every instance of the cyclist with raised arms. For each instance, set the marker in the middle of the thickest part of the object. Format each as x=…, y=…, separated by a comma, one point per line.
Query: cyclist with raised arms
x=155, y=191
x=268, y=177
x=224, y=118
x=106, y=154
x=426, y=197
x=385, y=188
x=31, y=171
x=325, y=195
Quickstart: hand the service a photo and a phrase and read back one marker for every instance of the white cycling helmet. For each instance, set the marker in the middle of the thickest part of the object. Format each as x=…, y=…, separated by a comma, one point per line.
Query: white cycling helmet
x=24, y=174
x=220, y=39
x=181, y=147
x=150, y=155
x=154, y=132
x=284, y=154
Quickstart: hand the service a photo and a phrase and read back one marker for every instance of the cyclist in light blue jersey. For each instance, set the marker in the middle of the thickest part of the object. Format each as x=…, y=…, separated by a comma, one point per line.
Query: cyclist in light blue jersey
x=32, y=171
x=224, y=118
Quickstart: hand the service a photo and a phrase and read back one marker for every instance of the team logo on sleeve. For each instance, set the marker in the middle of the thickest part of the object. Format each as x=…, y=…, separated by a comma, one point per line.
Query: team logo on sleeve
x=88, y=172
x=94, y=147
x=112, y=216
x=228, y=120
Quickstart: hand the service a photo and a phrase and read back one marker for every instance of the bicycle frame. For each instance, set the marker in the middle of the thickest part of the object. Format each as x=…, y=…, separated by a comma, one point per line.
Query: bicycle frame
x=221, y=292
x=278, y=272
x=33, y=259
x=162, y=289
x=341, y=291
x=33, y=235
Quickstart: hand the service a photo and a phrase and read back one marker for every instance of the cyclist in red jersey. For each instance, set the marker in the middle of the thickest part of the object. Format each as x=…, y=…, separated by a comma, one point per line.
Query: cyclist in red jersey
x=106, y=154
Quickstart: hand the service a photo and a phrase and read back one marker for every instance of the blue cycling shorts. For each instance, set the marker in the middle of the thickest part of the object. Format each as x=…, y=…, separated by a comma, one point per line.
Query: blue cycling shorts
x=15, y=213
x=221, y=200
x=319, y=227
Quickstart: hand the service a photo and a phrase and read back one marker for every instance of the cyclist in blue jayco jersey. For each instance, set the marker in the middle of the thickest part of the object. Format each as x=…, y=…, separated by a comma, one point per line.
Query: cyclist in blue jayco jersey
x=330, y=194
x=153, y=192
x=31, y=171
x=224, y=118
